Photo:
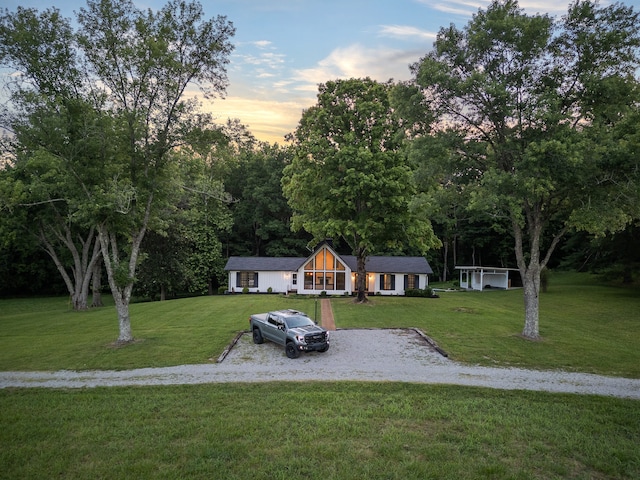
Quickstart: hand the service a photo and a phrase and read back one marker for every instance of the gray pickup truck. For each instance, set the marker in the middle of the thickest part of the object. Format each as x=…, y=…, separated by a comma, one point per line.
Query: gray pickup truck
x=292, y=329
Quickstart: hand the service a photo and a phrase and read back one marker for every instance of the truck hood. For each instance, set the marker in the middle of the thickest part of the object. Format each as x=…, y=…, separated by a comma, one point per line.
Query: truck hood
x=307, y=329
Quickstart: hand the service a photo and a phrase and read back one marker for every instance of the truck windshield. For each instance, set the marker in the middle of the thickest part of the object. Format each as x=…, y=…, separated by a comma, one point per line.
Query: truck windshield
x=299, y=321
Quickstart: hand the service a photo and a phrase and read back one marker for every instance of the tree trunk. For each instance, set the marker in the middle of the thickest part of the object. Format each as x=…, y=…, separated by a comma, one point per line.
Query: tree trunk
x=445, y=259
x=163, y=292
x=96, y=285
x=121, y=275
x=455, y=249
x=531, y=284
x=124, y=322
x=530, y=273
x=83, y=260
x=120, y=288
x=361, y=279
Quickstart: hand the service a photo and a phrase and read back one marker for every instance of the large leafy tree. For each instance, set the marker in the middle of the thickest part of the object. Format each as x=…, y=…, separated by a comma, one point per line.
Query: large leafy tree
x=262, y=217
x=524, y=103
x=349, y=178
x=145, y=61
x=59, y=142
x=137, y=67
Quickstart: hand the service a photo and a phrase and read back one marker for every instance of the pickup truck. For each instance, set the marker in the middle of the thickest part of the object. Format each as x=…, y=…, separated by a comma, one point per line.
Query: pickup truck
x=292, y=329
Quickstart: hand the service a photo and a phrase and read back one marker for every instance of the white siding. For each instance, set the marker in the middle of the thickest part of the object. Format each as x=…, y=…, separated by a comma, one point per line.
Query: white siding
x=374, y=287
x=280, y=282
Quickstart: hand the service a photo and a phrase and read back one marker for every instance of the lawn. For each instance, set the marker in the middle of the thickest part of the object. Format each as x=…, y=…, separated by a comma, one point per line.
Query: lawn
x=585, y=326
x=324, y=430
x=316, y=431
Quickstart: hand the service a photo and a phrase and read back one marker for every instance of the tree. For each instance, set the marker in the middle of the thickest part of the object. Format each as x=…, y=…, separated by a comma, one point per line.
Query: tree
x=135, y=69
x=57, y=136
x=262, y=217
x=349, y=177
x=146, y=61
x=522, y=97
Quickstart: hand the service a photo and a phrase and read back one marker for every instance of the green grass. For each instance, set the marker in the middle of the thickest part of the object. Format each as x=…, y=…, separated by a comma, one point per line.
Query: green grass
x=316, y=431
x=44, y=334
x=585, y=326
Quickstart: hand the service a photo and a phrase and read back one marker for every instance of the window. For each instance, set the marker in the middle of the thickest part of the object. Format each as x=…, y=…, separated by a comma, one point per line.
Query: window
x=411, y=282
x=294, y=278
x=308, y=281
x=387, y=282
x=324, y=272
x=247, y=279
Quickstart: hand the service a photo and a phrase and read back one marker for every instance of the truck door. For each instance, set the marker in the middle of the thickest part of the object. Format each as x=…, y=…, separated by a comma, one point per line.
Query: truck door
x=280, y=332
x=271, y=329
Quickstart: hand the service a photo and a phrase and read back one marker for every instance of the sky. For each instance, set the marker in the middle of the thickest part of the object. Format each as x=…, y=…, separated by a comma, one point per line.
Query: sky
x=285, y=48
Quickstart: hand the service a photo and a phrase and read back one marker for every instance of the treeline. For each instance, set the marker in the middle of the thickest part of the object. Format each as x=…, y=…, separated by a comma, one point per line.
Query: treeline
x=515, y=143
x=257, y=221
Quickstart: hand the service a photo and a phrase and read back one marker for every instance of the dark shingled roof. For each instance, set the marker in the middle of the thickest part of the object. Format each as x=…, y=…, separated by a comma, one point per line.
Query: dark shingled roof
x=390, y=264
x=264, y=264
x=374, y=264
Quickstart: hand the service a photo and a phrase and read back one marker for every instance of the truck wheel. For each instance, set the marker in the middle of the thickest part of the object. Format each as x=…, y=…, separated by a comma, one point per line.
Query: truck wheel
x=291, y=350
x=257, y=336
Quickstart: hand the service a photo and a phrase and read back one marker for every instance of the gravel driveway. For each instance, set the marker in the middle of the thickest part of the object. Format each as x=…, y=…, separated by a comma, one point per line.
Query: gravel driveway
x=395, y=355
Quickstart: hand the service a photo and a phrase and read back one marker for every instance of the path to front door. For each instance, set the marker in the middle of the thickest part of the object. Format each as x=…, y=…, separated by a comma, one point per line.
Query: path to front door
x=326, y=313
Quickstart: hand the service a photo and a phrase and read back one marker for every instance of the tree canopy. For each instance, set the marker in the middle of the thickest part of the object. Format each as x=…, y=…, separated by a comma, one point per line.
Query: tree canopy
x=518, y=101
x=349, y=178
x=129, y=71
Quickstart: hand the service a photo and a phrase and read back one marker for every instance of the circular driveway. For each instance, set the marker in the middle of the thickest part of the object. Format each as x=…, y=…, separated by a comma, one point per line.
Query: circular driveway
x=389, y=355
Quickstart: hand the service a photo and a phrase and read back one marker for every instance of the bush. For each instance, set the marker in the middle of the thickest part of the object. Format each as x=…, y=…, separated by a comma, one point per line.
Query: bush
x=222, y=289
x=419, y=292
x=269, y=290
x=245, y=290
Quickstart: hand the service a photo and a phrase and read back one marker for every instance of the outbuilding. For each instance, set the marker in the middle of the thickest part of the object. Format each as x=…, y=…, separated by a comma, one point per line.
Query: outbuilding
x=481, y=278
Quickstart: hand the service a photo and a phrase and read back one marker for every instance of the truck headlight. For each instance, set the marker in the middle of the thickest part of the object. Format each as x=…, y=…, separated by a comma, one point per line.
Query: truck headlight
x=300, y=339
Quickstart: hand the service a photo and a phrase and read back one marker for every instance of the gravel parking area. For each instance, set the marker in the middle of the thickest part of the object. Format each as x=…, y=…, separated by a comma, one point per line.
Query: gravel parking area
x=394, y=355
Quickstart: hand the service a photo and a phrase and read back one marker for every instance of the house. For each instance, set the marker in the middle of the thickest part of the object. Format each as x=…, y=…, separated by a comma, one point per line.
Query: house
x=480, y=278
x=326, y=271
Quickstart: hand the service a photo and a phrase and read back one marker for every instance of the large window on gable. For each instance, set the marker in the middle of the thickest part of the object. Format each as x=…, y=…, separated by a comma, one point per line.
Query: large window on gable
x=247, y=279
x=324, y=272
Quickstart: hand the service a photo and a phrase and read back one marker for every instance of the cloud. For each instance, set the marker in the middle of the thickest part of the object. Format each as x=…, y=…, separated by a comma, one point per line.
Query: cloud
x=405, y=31
x=467, y=8
x=267, y=59
x=262, y=43
x=457, y=7
x=357, y=61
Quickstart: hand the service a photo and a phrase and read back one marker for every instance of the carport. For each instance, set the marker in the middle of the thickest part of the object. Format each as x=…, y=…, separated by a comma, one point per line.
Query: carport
x=481, y=278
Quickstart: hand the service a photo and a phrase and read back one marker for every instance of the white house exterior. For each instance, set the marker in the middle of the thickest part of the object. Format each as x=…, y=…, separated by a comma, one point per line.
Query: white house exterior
x=480, y=278
x=326, y=271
